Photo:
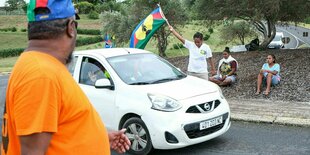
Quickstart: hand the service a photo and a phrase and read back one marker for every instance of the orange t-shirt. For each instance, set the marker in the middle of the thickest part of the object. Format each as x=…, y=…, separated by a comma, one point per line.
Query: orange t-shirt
x=42, y=96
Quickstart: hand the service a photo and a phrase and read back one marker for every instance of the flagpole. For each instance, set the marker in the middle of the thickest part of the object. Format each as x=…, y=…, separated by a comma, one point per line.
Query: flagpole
x=163, y=15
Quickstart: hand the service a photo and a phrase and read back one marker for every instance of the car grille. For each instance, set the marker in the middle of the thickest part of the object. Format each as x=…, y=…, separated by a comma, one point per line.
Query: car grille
x=204, y=107
x=193, y=131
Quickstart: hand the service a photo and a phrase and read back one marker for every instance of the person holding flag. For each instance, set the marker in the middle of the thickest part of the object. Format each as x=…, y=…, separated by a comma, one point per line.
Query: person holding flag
x=198, y=54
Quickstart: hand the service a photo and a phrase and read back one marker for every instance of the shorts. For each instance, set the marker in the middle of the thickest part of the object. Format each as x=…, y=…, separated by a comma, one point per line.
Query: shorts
x=274, y=80
x=204, y=76
x=231, y=77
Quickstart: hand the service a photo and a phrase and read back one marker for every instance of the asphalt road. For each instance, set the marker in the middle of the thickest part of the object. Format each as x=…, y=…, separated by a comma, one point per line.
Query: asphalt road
x=241, y=139
x=298, y=32
x=3, y=84
x=294, y=42
x=251, y=139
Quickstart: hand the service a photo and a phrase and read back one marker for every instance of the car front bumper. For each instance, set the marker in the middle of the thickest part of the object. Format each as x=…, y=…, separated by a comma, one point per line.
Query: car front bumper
x=185, y=126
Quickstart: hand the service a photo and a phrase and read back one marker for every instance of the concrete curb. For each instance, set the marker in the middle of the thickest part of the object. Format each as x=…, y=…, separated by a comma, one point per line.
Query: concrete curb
x=271, y=112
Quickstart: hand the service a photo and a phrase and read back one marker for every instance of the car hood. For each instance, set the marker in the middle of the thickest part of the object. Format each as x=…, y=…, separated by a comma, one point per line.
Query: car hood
x=181, y=89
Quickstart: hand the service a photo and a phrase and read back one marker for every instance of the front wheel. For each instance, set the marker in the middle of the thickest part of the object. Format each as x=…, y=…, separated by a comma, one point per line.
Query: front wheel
x=138, y=135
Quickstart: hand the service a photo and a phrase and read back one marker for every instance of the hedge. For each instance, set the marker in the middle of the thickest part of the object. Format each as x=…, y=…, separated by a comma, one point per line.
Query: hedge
x=11, y=52
x=12, y=29
x=79, y=42
x=88, y=31
x=88, y=40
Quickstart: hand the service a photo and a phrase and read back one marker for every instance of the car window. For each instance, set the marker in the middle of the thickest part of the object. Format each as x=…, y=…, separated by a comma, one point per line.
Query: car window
x=143, y=68
x=91, y=71
x=72, y=64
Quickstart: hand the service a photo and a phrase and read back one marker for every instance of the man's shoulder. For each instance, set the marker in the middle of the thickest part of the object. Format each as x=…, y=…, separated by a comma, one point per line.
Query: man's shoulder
x=36, y=65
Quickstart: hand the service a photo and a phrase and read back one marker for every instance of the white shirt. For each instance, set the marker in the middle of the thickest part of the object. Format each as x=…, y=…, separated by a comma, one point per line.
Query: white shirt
x=197, y=57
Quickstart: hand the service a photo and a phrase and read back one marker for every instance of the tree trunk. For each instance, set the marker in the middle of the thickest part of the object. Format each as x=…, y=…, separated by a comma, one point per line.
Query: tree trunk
x=162, y=42
x=271, y=32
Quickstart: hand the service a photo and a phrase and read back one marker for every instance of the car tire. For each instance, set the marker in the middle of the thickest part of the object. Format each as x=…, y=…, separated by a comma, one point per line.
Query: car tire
x=139, y=136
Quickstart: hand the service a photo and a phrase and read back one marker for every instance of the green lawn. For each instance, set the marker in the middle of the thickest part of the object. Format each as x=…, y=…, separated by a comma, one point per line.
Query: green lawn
x=13, y=40
x=7, y=64
x=18, y=21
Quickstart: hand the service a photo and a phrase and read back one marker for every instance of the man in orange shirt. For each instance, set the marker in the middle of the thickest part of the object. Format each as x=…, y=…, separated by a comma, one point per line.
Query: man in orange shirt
x=46, y=111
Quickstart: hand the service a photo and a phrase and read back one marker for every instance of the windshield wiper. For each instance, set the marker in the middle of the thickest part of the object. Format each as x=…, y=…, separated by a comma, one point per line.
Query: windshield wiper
x=140, y=83
x=163, y=80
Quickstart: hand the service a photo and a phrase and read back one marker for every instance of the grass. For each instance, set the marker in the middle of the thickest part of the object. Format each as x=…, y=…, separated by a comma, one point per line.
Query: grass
x=18, y=21
x=18, y=39
x=7, y=64
x=13, y=40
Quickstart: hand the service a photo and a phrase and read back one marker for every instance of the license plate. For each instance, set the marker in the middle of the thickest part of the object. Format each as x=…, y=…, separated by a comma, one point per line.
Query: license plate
x=211, y=123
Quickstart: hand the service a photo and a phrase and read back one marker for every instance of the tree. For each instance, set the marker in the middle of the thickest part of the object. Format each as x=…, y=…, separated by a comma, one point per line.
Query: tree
x=122, y=23
x=238, y=30
x=263, y=14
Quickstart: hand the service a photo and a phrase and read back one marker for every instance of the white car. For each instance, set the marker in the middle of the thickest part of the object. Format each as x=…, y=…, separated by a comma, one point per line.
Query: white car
x=160, y=106
x=277, y=41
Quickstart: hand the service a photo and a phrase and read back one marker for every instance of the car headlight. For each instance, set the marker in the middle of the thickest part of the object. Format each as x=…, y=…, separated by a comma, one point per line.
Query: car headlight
x=164, y=103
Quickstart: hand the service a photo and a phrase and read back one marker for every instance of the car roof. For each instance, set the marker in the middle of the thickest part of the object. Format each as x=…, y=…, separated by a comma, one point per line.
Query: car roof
x=111, y=52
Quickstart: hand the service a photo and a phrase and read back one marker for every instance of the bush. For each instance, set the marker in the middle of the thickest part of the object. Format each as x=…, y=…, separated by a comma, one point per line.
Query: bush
x=23, y=30
x=210, y=30
x=14, y=29
x=307, y=20
x=93, y=15
x=88, y=31
x=206, y=37
x=178, y=46
x=11, y=52
x=84, y=7
x=101, y=8
x=88, y=40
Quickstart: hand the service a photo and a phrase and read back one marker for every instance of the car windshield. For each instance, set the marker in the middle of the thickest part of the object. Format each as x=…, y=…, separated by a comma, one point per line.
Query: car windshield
x=142, y=69
x=277, y=38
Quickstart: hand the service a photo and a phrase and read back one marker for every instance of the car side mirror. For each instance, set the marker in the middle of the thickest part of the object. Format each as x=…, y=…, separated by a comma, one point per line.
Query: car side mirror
x=286, y=40
x=104, y=83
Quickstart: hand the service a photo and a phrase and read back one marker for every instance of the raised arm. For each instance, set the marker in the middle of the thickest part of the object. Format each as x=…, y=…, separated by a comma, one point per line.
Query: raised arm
x=175, y=33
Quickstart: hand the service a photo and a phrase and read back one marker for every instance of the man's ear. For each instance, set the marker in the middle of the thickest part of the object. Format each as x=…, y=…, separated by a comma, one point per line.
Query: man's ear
x=71, y=29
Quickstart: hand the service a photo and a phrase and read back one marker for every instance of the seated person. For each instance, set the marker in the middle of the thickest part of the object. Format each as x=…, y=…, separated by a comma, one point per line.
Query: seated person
x=226, y=72
x=268, y=74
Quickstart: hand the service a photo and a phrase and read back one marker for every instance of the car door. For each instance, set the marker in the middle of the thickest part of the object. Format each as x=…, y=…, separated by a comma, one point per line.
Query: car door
x=103, y=99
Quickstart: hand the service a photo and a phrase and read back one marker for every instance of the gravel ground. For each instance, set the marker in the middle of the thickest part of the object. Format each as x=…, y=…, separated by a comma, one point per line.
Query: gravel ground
x=295, y=74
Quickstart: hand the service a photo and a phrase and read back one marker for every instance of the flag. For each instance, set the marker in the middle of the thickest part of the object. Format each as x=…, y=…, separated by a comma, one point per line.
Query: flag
x=146, y=28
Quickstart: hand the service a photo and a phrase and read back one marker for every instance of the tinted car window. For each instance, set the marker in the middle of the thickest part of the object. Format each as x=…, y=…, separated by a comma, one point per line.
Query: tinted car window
x=91, y=71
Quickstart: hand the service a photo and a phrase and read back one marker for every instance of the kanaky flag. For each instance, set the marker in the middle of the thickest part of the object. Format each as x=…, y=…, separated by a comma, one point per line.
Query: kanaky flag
x=146, y=28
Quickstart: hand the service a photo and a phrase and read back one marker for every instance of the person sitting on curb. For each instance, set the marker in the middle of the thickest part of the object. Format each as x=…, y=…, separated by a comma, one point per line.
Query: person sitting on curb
x=270, y=74
x=198, y=53
x=226, y=72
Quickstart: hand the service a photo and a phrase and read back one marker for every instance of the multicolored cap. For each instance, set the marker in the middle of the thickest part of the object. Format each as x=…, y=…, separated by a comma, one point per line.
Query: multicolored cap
x=57, y=9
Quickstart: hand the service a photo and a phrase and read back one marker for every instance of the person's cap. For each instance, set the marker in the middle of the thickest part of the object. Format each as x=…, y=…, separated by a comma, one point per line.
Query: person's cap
x=43, y=10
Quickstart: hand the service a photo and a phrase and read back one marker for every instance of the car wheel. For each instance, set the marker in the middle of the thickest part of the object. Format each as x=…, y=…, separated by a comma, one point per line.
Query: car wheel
x=139, y=136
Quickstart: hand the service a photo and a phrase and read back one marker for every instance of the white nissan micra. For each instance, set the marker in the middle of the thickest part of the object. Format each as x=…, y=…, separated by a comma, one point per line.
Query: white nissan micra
x=160, y=106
